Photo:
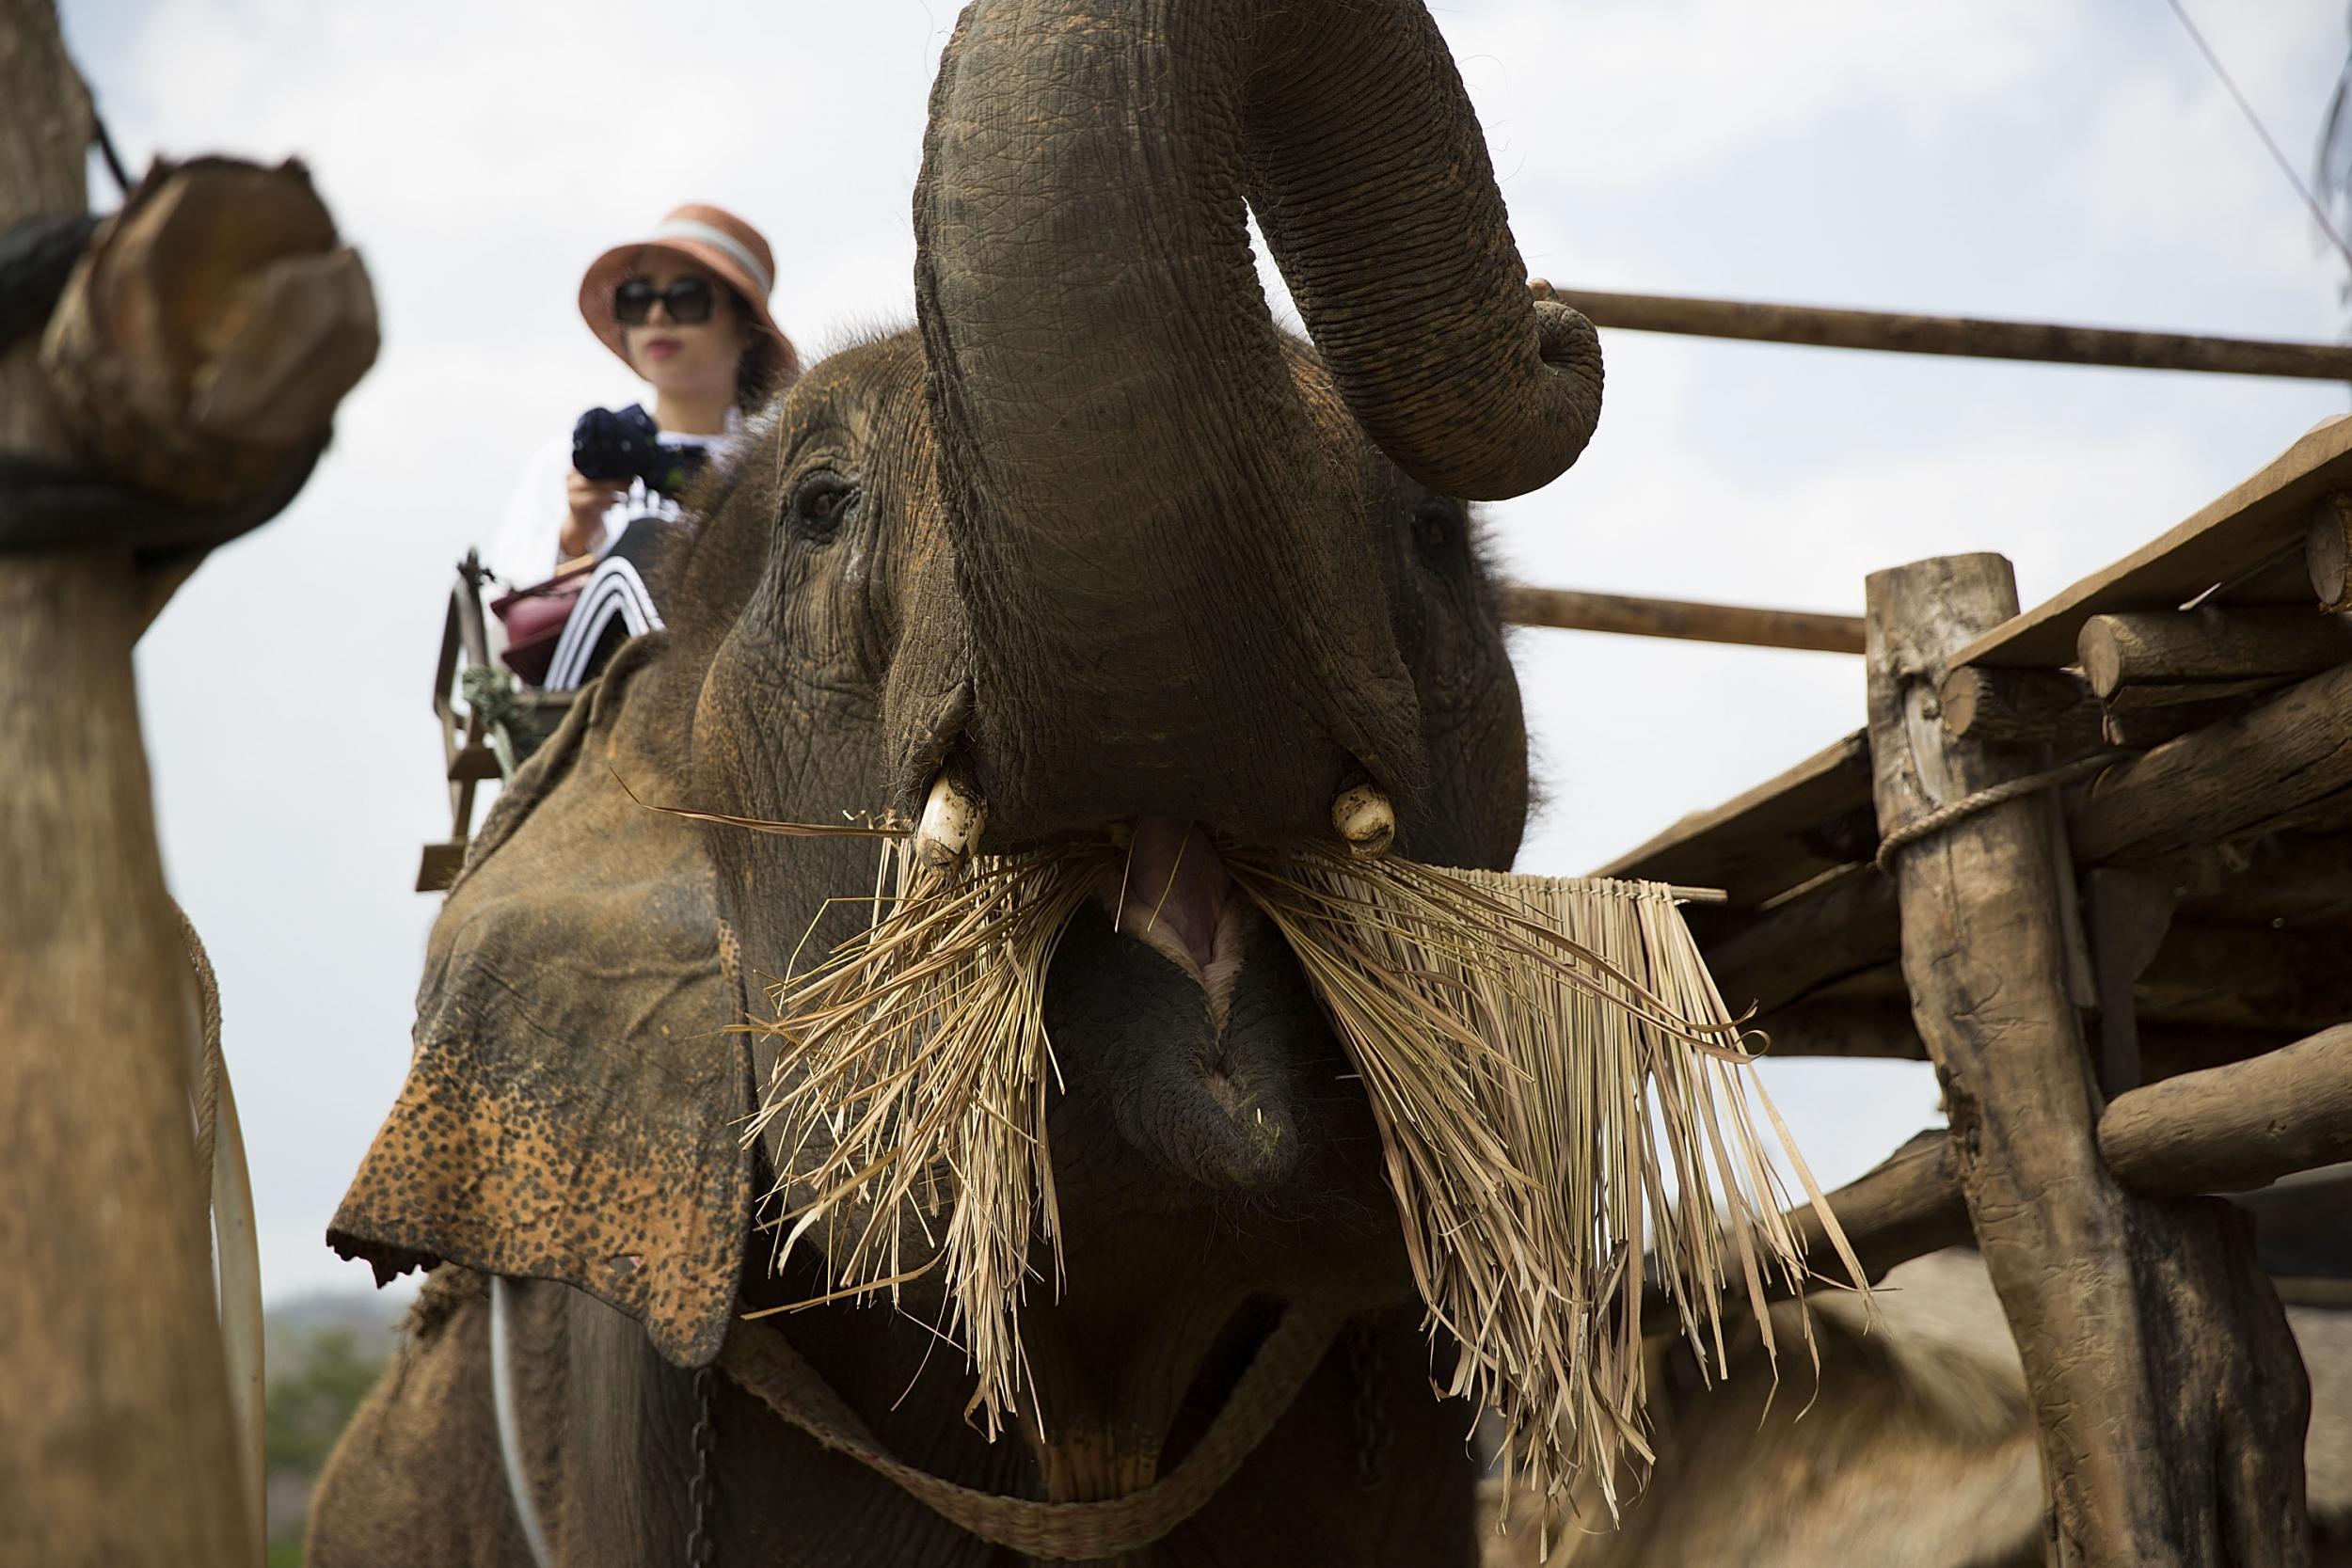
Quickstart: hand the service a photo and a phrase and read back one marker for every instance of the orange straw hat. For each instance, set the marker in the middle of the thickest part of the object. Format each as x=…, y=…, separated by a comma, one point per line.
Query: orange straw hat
x=722, y=245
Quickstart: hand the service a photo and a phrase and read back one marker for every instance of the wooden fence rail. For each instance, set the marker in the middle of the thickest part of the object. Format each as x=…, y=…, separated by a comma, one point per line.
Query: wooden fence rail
x=1896, y=332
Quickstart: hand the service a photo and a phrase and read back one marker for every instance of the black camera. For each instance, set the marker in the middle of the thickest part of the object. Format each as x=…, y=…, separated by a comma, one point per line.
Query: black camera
x=613, y=444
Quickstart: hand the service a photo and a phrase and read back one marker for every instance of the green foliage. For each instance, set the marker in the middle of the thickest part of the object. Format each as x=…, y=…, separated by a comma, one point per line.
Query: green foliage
x=310, y=1405
x=320, y=1378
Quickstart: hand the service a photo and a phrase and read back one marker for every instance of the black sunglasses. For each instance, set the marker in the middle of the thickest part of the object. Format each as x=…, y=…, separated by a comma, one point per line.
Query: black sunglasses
x=689, y=301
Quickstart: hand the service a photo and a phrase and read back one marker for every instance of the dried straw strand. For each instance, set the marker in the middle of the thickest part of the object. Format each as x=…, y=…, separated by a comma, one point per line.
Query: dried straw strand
x=1561, y=1094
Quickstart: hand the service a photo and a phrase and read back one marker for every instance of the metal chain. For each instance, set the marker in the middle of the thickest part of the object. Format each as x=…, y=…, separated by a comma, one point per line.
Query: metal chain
x=699, y=1541
x=1369, y=1414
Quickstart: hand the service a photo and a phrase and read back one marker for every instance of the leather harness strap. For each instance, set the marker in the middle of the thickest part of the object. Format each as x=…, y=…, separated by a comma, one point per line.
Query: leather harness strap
x=771, y=1369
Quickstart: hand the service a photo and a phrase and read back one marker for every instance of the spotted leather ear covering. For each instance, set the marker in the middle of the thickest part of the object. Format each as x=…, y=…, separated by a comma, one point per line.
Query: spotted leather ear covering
x=573, y=1104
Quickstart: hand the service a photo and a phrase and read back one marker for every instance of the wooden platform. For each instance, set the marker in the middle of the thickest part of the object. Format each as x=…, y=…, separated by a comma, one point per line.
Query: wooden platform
x=2238, y=828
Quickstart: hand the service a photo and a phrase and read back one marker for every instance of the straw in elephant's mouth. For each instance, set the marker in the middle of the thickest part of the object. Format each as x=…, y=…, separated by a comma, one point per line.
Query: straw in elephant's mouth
x=1561, y=1095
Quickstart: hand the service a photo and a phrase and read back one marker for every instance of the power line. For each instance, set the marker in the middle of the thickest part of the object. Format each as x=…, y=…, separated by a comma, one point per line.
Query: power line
x=2319, y=212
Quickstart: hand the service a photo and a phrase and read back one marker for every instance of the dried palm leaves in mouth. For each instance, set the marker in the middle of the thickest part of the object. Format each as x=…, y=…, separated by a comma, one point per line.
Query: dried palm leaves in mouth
x=1564, y=1105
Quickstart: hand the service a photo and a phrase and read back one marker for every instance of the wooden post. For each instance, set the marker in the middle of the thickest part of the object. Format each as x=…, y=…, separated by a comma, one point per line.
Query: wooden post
x=2167, y=1389
x=115, y=1434
x=117, y=1445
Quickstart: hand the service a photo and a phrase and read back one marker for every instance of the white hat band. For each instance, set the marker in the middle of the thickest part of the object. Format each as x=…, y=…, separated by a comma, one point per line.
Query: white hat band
x=687, y=229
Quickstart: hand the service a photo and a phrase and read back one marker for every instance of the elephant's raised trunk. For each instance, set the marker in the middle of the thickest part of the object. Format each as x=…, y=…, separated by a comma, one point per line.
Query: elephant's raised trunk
x=1174, y=603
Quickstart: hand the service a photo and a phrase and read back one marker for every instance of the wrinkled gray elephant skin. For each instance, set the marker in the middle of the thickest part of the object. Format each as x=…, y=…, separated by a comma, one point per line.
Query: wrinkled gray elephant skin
x=1098, y=534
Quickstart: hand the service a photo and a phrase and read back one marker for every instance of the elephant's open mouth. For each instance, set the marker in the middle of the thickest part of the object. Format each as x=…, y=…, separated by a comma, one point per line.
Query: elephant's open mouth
x=1171, y=892
x=1544, y=1061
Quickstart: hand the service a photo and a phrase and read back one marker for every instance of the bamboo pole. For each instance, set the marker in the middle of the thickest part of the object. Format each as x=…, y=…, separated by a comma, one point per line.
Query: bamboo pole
x=1896, y=332
x=1749, y=625
x=2168, y=1395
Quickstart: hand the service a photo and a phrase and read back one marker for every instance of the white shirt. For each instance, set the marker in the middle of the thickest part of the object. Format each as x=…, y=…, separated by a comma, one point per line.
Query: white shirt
x=529, y=544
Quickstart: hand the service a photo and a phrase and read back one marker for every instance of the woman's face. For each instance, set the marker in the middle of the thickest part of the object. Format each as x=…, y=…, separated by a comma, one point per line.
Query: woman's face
x=692, y=359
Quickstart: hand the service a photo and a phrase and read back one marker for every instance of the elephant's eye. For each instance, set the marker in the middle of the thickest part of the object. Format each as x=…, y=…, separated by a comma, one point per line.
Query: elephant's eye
x=1436, y=528
x=819, y=503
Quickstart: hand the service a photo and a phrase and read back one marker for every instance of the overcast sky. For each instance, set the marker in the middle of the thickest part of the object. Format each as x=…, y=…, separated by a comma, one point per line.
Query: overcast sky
x=2068, y=160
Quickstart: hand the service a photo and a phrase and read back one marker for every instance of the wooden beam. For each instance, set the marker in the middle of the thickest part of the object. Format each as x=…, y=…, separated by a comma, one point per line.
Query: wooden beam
x=2232, y=1129
x=2292, y=980
x=1848, y=1023
x=2269, y=767
x=2149, y=1349
x=2328, y=553
x=1847, y=924
x=1747, y=624
x=2231, y=540
x=1906, y=1207
x=1843, y=1026
x=2019, y=707
x=1973, y=338
x=1770, y=838
x=2244, y=1125
x=2208, y=653
x=2290, y=877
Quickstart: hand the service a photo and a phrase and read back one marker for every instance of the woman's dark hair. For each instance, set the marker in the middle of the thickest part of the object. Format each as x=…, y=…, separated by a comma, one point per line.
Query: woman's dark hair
x=756, y=367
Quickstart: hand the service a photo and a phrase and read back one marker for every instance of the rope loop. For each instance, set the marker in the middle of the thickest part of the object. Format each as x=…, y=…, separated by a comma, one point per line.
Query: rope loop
x=1934, y=823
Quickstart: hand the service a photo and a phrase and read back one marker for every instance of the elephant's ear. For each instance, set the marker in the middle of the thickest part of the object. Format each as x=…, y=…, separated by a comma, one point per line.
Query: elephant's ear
x=574, y=1104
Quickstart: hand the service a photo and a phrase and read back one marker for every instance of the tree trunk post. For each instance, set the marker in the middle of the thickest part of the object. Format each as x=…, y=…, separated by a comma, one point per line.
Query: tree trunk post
x=2168, y=1395
x=117, y=1445
x=232, y=324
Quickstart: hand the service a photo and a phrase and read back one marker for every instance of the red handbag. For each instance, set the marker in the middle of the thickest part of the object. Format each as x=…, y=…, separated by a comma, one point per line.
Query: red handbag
x=533, y=618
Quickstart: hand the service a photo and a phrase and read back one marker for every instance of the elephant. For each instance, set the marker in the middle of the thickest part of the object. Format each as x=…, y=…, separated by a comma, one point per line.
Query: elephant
x=1914, y=1447
x=1098, y=537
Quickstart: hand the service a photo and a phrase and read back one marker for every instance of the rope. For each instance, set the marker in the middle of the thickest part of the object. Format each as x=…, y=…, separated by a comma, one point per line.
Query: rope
x=47, y=505
x=771, y=1369
x=1985, y=800
x=208, y=1081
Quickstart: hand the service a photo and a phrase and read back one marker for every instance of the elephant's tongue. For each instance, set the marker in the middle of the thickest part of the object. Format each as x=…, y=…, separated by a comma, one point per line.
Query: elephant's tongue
x=1173, y=887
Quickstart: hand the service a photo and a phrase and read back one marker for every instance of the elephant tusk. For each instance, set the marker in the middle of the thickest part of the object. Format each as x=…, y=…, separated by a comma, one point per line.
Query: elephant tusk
x=953, y=816
x=1364, y=818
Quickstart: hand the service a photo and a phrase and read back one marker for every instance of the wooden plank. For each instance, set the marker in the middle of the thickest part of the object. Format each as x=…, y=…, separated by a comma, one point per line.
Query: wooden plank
x=2256, y=522
x=1768, y=839
x=2149, y=1353
x=1749, y=625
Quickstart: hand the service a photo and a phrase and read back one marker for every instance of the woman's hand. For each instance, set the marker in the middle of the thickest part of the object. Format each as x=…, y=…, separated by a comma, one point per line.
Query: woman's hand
x=587, y=500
